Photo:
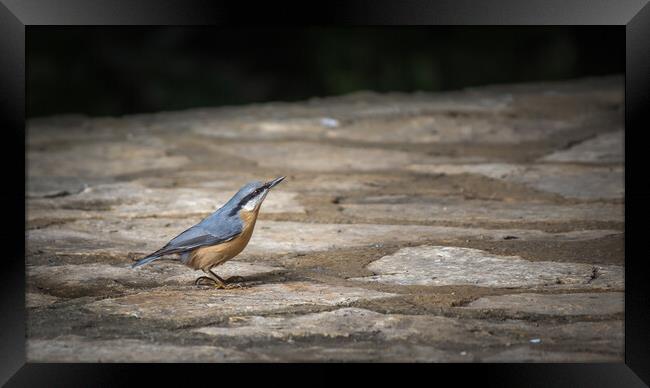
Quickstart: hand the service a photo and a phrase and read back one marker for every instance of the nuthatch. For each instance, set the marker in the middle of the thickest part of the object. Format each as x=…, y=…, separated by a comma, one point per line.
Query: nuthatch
x=220, y=236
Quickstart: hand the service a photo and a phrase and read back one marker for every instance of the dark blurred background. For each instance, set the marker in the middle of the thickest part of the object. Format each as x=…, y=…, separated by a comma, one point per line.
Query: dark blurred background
x=115, y=71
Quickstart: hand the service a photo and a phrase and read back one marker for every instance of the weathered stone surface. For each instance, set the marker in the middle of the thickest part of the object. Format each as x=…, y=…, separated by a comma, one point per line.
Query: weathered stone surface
x=191, y=304
x=36, y=299
x=450, y=339
x=310, y=121
x=419, y=209
x=555, y=304
x=50, y=187
x=353, y=331
x=606, y=148
x=530, y=354
x=432, y=128
x=73, y=348
x=319, y=157
x=94, y=278
x=284, y=237
x=441, y=266
x=345, y=322
x=122, y=238
x=133, y=200
x=567, y=180
x=109, y=159
x=375, y=182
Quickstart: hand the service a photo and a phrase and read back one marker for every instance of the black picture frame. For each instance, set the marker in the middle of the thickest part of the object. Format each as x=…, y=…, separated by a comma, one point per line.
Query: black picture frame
x=17, y=15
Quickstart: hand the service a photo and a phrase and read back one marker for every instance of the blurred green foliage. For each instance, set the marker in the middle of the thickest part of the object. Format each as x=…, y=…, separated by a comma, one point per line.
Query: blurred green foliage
x=115, y=71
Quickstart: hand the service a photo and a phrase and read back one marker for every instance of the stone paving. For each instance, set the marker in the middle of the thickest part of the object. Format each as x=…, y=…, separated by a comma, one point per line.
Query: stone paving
x=482, y=225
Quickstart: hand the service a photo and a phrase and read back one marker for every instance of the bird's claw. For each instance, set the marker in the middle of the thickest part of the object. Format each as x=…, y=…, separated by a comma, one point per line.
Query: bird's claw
x=218, y=285
x=235, y=279
x=230, y=286
x=198, y=281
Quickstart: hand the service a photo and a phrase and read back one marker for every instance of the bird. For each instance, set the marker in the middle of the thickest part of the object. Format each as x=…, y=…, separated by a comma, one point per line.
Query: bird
x=220, y=236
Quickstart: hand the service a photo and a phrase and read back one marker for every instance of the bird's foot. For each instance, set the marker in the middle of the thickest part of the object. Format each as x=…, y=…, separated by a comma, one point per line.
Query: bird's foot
x=227, y=285
x=201, y=280
x=230, y=286
x=235, y=279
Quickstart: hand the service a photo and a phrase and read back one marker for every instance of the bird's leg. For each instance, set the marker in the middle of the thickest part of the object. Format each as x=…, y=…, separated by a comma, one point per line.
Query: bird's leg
x=227, y=284
x=214, y=278
x=199, y=280
x=217, y=280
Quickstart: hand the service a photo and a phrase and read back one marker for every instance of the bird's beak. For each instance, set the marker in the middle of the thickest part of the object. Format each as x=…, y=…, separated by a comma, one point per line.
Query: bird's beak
x=274, y=182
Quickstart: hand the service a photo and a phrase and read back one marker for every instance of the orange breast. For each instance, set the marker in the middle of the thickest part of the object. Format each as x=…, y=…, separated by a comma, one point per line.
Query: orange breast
x=208, y=257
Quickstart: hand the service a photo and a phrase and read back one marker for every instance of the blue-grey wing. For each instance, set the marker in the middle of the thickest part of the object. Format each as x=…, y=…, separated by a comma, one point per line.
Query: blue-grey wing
x=198, y=236
x=208, y=232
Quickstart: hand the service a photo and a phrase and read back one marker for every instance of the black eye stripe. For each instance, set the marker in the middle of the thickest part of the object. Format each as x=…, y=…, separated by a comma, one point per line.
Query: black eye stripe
x=253, y=194
x=245, y=200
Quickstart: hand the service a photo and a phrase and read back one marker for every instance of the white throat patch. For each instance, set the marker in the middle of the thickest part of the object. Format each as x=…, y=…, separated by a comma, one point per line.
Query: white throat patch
x=253, y=202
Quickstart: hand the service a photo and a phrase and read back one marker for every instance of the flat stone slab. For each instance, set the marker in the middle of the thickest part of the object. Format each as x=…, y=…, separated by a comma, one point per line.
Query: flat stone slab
x=531, y=354
x=447, y=339
x=135, y=200
x=191, y=304
x=51, y=187
x=321, y=157
x=444, y=266
x=602, y=303
x=340, y=323
x=384, y=208
x=121, y=238
x=477, y=115
x=606, y=148
x=102, y=159
x=441, y=128
x=305, y=237
x=94, y=277
x=37, y=299
x=73, y=348
x=319, y=118
x=359, y=335
x=571, y=181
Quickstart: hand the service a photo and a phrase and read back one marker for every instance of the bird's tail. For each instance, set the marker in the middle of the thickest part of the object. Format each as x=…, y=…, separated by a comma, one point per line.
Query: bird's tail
x=146, y=260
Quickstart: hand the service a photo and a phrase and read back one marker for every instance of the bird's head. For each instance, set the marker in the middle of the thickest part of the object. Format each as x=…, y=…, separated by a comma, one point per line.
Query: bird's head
x=251, y=195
